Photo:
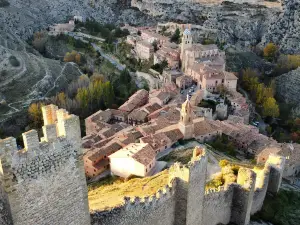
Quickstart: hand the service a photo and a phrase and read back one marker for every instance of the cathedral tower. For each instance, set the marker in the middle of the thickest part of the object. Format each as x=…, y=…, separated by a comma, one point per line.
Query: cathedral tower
x=185, y=124
x=187, y=42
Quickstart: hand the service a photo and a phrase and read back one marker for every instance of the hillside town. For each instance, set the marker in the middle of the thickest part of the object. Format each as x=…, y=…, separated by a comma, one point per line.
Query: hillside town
x=150, y=123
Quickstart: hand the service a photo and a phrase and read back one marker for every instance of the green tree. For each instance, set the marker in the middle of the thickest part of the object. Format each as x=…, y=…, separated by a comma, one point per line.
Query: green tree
x=270, y=107
x=176, y=36
x=108, y=94
x=83, y=97
x=35, y=114
x=223, y=90
x=39, y=41
x=155, y=45
x=270, y=51
x=259, y=93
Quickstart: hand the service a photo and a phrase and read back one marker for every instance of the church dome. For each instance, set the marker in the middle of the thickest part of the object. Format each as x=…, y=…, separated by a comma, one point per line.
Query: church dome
x=187, y=32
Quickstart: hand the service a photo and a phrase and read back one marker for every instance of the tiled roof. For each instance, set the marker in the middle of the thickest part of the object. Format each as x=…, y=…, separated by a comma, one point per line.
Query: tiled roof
x=108, y=149
x=141, y=152
x=136, y=100
x=138, y=115
x=174, y=135
x=203, y=127
x=157, y=140
x=151, y=107
x=103, y=116
x=145, y=156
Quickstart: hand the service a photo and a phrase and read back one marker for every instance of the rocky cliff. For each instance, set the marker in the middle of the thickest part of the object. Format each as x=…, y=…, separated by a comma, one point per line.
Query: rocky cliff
x=243, y=25
x=288, y=87
x=284, y=30
x=31, y=76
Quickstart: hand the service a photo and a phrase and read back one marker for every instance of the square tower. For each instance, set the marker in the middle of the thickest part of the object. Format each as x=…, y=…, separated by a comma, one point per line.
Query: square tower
x=186, y=125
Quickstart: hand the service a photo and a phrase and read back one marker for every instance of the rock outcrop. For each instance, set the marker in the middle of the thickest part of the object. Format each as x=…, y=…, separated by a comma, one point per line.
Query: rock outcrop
x=284, y=30
x=243, y=25
x=288, y=87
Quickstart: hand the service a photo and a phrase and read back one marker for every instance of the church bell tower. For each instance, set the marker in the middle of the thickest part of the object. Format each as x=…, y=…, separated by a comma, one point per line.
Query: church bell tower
x=187, y=42
x=186, y=125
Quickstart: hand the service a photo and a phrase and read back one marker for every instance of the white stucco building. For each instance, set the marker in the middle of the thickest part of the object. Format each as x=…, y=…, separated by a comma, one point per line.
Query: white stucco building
x=134, y=159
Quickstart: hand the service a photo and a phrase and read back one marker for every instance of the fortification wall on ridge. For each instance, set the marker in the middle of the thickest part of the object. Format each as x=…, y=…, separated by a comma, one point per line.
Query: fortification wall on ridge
x=260, y=191
x=196, y=190
x=217, y=206
x=158, y=209
x=5, y=216
x=45, y=182
x=188, y=203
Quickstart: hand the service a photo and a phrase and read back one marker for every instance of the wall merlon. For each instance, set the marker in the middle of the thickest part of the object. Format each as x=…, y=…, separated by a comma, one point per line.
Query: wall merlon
x=8, y=146
x=49, y=132
x=246, y=178
x=49, y=114
x=31, y=140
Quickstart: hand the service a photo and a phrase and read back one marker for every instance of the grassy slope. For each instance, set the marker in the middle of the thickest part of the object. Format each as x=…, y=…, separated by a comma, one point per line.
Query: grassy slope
x=110, y=192
x=183, y=156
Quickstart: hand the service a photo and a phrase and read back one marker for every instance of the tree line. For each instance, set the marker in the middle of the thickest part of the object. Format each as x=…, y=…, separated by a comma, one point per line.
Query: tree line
x=262, y=95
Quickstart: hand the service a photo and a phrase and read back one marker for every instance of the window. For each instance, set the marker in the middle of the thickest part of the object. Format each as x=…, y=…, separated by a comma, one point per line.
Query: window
x=146, y=170
x=189, y=119
x=94, y=170
x=150, y=166
x=165, y=147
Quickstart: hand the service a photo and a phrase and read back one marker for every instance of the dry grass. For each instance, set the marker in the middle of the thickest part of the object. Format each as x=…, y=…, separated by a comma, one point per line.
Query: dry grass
x=179, y=155
x=110, y=192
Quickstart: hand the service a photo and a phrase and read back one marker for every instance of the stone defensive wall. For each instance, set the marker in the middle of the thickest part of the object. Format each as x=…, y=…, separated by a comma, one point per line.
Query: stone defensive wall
x=185, y=202
x=44, y=183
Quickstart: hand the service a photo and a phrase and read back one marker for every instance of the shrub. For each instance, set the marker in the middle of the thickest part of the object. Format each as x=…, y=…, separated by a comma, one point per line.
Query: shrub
x=14, y=61
x=223, y=163
x=270, y=51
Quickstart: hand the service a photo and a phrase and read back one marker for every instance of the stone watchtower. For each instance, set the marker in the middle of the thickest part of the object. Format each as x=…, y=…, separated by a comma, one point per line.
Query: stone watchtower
x=44, y=183
x=186, y=125
x=187, y=42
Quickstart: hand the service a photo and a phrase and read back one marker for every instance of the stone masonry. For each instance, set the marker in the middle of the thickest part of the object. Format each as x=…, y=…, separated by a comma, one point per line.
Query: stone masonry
x=44, y=183
x=185, y=201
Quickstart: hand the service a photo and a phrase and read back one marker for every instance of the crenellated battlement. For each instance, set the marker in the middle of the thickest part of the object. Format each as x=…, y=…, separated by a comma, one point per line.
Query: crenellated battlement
x=150, y=201
x=61, y=131
x=47, y=175
x=185, y=200
x=214, y=190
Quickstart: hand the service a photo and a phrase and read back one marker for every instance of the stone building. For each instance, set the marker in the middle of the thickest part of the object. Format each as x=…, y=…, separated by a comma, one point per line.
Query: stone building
x=186, y=123
x=44, y=183
x=138, y=99
x=205, y=64
x=170, y=53
x=144, y=50
x=62, y=28
x=222, y=111
x=134, y=159
x=184, y=82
